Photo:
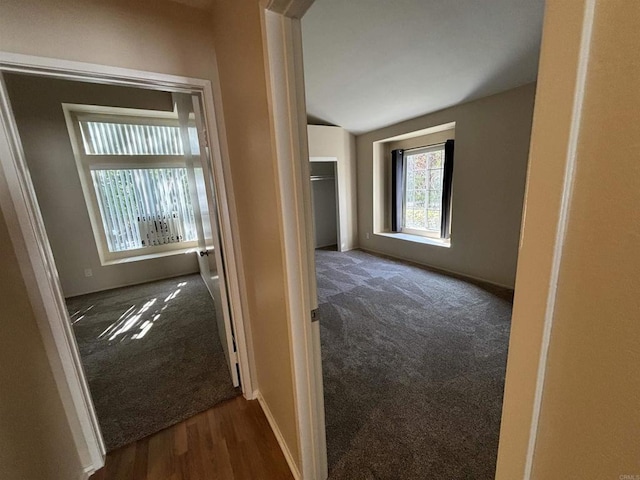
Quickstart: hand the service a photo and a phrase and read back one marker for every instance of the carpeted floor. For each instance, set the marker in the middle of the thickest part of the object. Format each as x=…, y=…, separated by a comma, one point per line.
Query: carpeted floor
x=414, y=364
x=152, y=355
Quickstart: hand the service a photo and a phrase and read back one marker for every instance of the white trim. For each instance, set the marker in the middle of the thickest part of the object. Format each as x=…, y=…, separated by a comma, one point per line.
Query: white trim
x=411, y=237
x=283, y=65
x=85, y=163
x=129, y=284
x=151, y=256
x=87, y=472
x=28, y=236
x=17, y=200
x=229, y=230
x=276, y=432
x=563, y=221
x=72, y=70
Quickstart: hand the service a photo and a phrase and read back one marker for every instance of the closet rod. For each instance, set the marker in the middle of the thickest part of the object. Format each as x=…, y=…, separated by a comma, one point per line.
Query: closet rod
x=315, y=178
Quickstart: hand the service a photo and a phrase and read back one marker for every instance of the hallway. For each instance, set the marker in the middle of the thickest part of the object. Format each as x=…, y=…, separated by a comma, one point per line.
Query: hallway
x=231, y=441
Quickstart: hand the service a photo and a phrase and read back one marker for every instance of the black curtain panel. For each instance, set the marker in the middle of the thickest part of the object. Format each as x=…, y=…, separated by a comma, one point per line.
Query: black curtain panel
x=445, y=225
x=397, y=189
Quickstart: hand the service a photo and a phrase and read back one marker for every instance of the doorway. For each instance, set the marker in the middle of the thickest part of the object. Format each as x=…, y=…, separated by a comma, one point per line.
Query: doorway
x=175, y=280
x=324, y=189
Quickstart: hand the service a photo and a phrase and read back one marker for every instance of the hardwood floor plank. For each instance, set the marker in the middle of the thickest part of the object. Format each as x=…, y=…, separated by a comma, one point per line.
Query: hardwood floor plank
x=160, y=458
x=180, y=445
x=231, y=441
x=220, y=458
x=125, y=467
x=195, y=453
x=142, y=459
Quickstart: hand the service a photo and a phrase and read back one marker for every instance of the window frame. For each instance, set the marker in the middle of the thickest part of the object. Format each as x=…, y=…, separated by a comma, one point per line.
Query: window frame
x=85, y=163
x=413, y=151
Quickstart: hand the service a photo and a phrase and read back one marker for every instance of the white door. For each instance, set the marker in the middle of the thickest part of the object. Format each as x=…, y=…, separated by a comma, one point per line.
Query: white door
x=202, y=187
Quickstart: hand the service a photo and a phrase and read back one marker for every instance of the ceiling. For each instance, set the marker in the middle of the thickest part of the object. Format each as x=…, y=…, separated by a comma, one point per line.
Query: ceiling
x=373, y=63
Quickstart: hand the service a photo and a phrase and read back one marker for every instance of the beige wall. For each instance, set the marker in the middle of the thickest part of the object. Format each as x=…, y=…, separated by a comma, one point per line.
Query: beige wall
x=336, y=142
x=246, y=115
x=591, y=410
x=36, y=103
x=167, y=37
x=549, y=146
x=158, y=36
x=492, y=144
x=590, y=414
x=35, y=439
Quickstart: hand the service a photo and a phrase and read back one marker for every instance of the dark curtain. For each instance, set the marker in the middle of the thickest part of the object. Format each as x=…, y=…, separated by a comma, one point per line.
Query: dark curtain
x=397, y=189
x=445, y=226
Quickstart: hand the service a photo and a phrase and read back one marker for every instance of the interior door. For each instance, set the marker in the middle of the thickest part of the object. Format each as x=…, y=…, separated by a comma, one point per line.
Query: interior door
x=202, y=187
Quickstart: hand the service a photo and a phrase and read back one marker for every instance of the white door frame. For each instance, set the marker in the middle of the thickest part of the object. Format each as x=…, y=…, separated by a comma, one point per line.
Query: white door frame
x=22, y=215
x=285, y=77
x=285, y=84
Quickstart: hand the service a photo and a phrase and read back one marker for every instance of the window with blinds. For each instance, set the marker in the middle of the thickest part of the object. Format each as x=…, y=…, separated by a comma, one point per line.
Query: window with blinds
x=144, y=207
x=141, y=196
x=107, y=138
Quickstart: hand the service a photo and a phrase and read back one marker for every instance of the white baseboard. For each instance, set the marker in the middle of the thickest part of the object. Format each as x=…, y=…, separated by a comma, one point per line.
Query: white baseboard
x=437, y=269
x=251, y=395
x=130, y=284
x=87, y=472
x=276, y=431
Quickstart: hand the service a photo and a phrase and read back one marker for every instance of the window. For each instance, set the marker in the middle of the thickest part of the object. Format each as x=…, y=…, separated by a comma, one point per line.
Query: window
x=144, y=207
x=422, y=190
x=135, y=180
x=424, y=172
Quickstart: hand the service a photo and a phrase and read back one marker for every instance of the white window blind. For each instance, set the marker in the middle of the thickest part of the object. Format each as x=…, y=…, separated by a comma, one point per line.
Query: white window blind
x=144, y=207
x=105, y=138
x=140, y=203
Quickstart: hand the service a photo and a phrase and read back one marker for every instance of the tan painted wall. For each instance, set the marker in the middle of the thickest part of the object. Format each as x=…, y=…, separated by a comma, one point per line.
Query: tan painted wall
x=549, y=146
x=35, y=439
x=590, y=413
x=492, y=144
x=36, y=103
x=158, y=36
x=336, y=142
x=239, y=48
x=167, y=37
x=591, y=409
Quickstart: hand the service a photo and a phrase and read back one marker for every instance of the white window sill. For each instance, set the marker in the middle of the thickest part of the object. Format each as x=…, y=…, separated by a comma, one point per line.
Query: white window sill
x=150, y=256
x=436, y=242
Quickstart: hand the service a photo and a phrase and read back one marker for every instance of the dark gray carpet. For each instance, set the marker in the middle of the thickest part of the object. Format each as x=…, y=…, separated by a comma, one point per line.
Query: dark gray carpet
x=151, y=354
x=414, y=364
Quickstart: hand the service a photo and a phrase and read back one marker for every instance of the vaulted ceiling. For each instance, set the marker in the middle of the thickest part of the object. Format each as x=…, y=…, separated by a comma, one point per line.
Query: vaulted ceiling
x=373, y=63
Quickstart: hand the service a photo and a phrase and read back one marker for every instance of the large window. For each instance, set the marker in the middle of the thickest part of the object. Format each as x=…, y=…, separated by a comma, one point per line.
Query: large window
x=144, y=207
x=421, y=203
x=135, y=180
x=424, y=173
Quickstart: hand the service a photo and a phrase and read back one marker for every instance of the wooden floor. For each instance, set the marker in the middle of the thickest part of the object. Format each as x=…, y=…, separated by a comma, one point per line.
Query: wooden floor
x=232, y=440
